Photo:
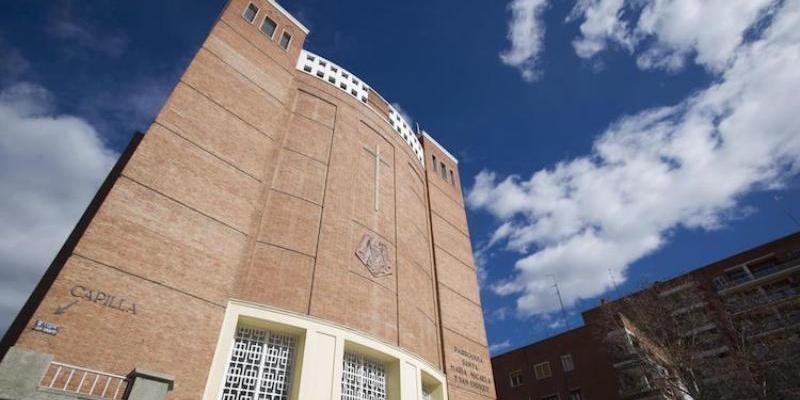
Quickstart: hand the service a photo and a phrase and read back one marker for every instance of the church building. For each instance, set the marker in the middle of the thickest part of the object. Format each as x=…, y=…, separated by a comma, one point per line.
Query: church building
x=279, y=232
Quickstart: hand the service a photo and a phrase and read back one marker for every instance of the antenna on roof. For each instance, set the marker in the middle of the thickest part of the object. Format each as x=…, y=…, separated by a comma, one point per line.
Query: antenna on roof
x=560, y=301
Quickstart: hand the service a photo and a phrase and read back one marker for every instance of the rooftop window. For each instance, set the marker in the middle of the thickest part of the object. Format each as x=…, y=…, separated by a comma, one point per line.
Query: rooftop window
x=250, y=13
x=268, y=27
x=286, y=39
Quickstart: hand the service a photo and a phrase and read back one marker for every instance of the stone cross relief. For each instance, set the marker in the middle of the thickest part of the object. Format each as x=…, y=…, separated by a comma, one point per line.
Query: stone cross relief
x=378, y=161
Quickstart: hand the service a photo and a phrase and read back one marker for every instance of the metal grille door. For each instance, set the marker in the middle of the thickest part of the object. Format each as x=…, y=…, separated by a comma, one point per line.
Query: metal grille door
x=260, y=367
x=363, y=378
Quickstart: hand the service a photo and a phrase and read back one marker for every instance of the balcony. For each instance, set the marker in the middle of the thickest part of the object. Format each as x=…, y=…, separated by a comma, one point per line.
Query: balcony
x=753, y=302
x=774, y=324
x=725, y=285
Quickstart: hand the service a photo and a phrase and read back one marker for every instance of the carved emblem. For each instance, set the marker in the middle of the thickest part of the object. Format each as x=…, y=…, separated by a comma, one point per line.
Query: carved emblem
x=375, y=255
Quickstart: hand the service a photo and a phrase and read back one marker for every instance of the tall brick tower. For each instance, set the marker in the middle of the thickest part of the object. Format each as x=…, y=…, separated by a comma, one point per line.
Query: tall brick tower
x=279, y=232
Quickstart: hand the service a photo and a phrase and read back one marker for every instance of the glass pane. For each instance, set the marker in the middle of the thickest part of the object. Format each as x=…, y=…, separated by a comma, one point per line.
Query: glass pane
x=285, y=39
x=268, y=27
x=250, y=13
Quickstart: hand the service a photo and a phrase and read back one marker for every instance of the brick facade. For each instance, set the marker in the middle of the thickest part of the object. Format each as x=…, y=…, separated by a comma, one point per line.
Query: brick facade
x=254, y=183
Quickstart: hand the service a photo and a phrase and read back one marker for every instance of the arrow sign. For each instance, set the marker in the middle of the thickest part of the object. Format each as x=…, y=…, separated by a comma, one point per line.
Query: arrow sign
x=62, y=309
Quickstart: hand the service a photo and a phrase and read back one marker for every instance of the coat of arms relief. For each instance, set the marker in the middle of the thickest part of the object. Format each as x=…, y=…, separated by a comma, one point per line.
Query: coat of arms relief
x=375, y=255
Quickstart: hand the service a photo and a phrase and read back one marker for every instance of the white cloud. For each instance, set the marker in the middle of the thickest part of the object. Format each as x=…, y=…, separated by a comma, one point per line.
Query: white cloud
x=668, y=32
x=50, y=166
x=526, y=33
x=602, y=23
x=495, y=348
x=686, y=165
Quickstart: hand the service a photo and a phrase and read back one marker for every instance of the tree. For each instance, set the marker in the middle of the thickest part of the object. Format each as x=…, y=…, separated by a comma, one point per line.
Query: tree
x=684, y=342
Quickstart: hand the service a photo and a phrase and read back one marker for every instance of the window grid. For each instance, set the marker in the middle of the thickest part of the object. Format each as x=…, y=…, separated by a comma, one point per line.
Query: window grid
x=286, y=38
x=250, y=13
x=515, y=378
x=566, y=363
x=268, y=27
x=260, y=366
x=542, y=370
x=426, y=395
x=363, y=378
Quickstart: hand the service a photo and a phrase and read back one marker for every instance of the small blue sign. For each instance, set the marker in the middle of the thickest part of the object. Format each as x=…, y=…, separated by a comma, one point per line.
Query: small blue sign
x=46, y=327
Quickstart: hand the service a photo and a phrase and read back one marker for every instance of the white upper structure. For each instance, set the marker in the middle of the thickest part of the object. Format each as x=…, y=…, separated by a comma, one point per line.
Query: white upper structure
x=341, y=78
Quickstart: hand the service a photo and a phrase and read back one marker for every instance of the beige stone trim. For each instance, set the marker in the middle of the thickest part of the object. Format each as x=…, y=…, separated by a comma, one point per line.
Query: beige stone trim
x=321, y=346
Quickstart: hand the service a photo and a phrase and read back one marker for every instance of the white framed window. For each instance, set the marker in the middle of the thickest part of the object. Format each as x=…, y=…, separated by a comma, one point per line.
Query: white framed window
x=566, y=363
x=575, y=394
x=515, y=378
x=250, y=13
x=268, y=27
x=286, y=39
x=363, y=378
x=260, y=365
x=542, y=370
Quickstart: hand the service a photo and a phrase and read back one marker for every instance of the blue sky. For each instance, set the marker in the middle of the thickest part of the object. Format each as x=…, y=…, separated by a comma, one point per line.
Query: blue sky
x=660, y=133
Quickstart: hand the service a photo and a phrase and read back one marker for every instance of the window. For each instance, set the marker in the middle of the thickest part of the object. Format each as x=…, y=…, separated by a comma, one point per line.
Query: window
x=260, y=365
x=268, y=27
x=551, y=397
x=286, y=38
x=566, y=362
x=452, y=178
x=250, y=13
x=443, y=171
x=363, y=378
x=575, y=394
x=542, y=370
x=434, y=163
x=515, y=378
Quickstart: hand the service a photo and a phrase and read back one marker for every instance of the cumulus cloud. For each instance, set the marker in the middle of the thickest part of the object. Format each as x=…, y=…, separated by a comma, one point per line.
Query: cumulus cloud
x=683, y=166
x=668, y=32
x=526, y=32
x=50, y=166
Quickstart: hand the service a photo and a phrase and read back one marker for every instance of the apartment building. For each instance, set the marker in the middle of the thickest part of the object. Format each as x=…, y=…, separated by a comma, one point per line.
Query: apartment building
x=719, y=330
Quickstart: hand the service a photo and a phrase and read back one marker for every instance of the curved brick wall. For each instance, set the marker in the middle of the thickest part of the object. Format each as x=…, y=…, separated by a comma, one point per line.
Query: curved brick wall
x=257, y=182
